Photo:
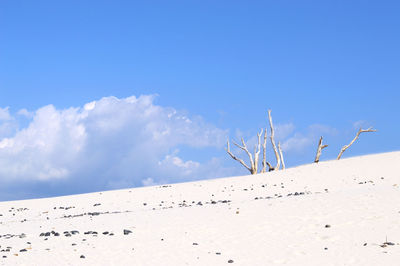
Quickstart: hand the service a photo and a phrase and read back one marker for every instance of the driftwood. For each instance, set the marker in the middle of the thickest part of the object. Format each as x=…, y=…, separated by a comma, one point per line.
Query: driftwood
x=319, y=150
x=278, y=160
x=355, y=138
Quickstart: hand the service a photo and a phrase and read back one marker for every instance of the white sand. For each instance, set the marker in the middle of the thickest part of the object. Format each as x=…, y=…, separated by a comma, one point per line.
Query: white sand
x=359, y=198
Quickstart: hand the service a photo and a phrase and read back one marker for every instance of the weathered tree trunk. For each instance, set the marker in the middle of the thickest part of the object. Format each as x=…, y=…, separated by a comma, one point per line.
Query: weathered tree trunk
x=264, y=161
x=355, y=138
x=319, y=150
x=278, y=160
x=281, y=155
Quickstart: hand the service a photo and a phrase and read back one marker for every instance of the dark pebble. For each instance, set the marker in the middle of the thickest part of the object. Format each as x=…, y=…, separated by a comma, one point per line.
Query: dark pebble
x=82, y=257
x=195, y=244
x=327, y=226
x=389, y=243
x=105, y=233
x=23, y=250
x=127, y=232
x=230, y=261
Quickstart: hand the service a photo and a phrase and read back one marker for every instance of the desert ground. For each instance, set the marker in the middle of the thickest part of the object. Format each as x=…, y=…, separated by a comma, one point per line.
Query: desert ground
x=344, y=212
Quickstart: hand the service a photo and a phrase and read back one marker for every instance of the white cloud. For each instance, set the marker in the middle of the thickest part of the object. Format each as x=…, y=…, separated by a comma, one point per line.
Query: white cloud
x=299, y=142
x=361, y=124
x=106, y=144
x=282, y=131
x=25, y=113
x=4, y=114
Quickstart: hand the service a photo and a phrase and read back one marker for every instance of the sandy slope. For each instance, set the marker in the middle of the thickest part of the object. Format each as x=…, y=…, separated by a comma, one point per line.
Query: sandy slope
x=333, y=213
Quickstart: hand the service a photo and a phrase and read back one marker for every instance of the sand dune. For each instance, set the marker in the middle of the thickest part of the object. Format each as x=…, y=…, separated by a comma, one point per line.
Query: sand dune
x=343, y=212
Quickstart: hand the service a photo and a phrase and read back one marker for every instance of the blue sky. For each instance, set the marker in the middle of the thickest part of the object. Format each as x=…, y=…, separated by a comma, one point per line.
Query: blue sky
x=100, y=95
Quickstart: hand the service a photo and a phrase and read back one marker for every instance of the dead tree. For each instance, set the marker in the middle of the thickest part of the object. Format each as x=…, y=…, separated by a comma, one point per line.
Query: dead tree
x=253, y=162
x=253, y=168
x=278, y=160
x=281, y=155
x=355, y=138
x=319, y=150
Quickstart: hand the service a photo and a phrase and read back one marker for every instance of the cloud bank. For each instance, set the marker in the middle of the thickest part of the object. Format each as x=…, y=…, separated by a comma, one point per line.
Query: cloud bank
x=105, y=144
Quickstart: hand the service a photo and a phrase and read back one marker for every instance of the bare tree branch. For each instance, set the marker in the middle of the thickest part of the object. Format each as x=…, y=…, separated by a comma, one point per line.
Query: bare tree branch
x=235, y=158
x=244, y=147
x=355, y=138
x=257, y=151
x=264, y=161
x=278, y=161
x=319, y=150
x=281, y=155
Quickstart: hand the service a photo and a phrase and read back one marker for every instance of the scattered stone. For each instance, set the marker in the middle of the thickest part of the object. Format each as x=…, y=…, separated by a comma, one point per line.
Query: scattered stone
x=127, y=232
x=105, y=233
x=365, y=244
x=389, y=243
x=23, y=250
x=218, y=253
x=327, y=226
x=195, y=244
x=82, y=257
x=230, y=261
